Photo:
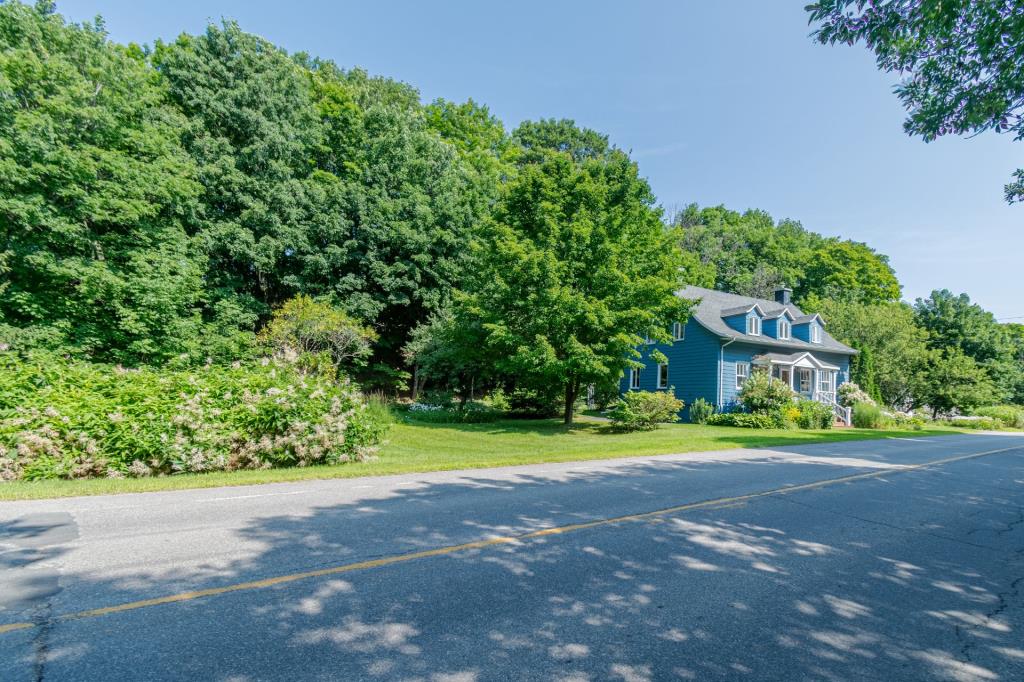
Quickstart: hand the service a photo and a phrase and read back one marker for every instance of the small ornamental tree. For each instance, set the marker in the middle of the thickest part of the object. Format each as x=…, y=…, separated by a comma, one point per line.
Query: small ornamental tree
x=304, y=325
x=761, y=394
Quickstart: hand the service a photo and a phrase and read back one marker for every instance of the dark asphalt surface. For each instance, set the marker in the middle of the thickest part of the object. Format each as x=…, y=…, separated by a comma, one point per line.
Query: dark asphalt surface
x=904, y=576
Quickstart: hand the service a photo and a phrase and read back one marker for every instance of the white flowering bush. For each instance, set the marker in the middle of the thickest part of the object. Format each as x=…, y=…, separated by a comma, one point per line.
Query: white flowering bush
x=851, y=394
x=69, y=419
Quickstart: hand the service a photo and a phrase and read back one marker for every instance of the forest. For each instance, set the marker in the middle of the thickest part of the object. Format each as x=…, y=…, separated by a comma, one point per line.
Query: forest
x=202, y=203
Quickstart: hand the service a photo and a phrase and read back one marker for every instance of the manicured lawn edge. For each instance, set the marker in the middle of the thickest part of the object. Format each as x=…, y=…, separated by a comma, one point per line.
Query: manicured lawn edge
x=418, y=447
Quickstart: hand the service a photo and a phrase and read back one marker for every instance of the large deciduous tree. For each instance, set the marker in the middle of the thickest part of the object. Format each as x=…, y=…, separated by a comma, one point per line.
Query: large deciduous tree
x=96, y=193
x=889, y=334
x=962, y=61
x=575, y=265
x=751, y=254
x=955, y=323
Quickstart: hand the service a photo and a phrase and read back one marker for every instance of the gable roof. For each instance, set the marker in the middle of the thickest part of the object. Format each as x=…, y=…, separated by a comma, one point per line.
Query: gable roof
x=742, y=310
x=804, y=319
x=714, y=304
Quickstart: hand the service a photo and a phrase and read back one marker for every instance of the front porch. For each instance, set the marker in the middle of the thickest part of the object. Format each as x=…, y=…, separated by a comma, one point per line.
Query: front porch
x=809, y=377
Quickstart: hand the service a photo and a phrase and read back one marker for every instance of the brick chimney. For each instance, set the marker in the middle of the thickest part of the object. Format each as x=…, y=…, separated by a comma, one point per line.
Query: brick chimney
x=782, y=295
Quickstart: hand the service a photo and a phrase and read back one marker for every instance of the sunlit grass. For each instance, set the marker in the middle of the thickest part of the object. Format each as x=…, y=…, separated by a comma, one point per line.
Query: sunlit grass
x=414, y=447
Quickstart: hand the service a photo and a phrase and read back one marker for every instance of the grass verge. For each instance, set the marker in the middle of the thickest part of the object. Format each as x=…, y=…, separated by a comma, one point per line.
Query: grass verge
x=417, y=447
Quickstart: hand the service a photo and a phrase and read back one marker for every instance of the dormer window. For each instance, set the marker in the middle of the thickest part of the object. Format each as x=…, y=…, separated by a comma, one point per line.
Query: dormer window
x=815, y=333
x=754, y=325
x=678, y=331
x=785, y=329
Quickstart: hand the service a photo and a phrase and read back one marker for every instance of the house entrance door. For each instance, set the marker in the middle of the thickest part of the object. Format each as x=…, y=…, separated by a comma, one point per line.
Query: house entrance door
x=783, y=374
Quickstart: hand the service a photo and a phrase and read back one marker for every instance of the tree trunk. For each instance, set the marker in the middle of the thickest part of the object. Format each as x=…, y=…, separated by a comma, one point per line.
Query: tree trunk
x=570, y=401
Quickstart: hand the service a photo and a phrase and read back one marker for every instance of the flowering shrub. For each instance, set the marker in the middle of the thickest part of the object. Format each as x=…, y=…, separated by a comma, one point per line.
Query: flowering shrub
x=644, y=410
x=69, y=419
x=764, y=395
x=814, y=415
x=850, y=394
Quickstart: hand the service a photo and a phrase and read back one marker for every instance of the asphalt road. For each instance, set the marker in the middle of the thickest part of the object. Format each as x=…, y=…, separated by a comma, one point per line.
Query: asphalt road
x=832, y=562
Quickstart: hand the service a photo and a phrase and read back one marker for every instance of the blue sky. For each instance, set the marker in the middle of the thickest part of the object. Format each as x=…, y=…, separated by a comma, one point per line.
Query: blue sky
x=719, y=102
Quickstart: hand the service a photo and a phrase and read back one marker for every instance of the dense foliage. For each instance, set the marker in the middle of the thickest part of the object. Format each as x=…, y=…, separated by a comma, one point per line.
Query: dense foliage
x=752, y=255
x=575, y=266
x=156, y=199
x=962, y=62
x=97, y=194
x=644, y=410
x=72, y=419
x=214, y=198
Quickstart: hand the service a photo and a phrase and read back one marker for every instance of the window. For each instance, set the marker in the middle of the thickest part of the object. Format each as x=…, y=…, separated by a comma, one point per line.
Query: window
x=662, y=376
x=826, y=381
x=742, y=372
x=815, y=333
x=634, y=379
x=785, y=329
x=754, y=325
x=805, y=380
x=678, y=331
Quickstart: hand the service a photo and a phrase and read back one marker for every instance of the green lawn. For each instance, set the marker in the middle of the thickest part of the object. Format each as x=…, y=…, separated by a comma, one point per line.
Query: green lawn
x=434, y=447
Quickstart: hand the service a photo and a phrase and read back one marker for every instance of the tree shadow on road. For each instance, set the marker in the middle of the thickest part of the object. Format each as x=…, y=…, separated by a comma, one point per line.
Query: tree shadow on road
x=848, y=582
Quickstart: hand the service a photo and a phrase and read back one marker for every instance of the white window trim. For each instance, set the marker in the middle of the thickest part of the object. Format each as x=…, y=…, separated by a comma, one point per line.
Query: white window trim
x=753, y=325
x=827, y=381
x=678, y=331
x=744, y=375
x=815, y=333
x=785, y=330
x=801, y=373
x=634, y=379
x=662, y=367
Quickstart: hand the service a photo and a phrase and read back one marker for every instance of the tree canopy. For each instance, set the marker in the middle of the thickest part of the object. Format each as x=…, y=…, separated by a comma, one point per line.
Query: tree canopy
x=97, y=193
x=575, y=266
x=751, y=254
x=962, y=61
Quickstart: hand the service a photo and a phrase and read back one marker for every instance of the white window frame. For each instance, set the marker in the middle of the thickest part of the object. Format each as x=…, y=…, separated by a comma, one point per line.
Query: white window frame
x=815, y=333
x=801, y=373
x=785, y=329
x=753, y=325
x=634, y=379
x=826, y=381
x=741, y=377
x=678, y=331
x=662, y=375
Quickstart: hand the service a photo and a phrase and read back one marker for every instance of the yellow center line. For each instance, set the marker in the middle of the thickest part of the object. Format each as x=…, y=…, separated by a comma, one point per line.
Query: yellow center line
x=488, y=542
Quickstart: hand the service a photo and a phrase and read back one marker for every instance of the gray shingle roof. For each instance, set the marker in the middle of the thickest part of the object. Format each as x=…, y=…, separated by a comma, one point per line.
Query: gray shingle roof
x=713, y=304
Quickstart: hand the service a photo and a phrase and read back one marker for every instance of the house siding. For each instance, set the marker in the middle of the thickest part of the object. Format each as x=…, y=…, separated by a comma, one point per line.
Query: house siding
x=739, y=322
x=692, y=366
x=803, y=331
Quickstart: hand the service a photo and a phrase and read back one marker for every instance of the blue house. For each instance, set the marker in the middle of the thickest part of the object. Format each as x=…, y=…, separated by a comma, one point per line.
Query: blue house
x=728, y=336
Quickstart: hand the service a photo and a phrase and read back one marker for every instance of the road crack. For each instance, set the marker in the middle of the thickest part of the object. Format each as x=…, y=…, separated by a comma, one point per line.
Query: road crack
x=41, y=640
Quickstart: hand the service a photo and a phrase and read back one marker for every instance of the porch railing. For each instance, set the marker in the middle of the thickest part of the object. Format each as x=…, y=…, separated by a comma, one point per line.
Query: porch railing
x=843, y=414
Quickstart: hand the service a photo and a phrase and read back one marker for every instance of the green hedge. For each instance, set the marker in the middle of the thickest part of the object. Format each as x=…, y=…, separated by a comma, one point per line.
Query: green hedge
x=1010, y=416
x=744, y=419
x=72, y=419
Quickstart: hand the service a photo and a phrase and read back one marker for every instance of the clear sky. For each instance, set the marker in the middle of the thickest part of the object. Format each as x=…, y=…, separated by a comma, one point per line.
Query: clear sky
x=720, y=103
